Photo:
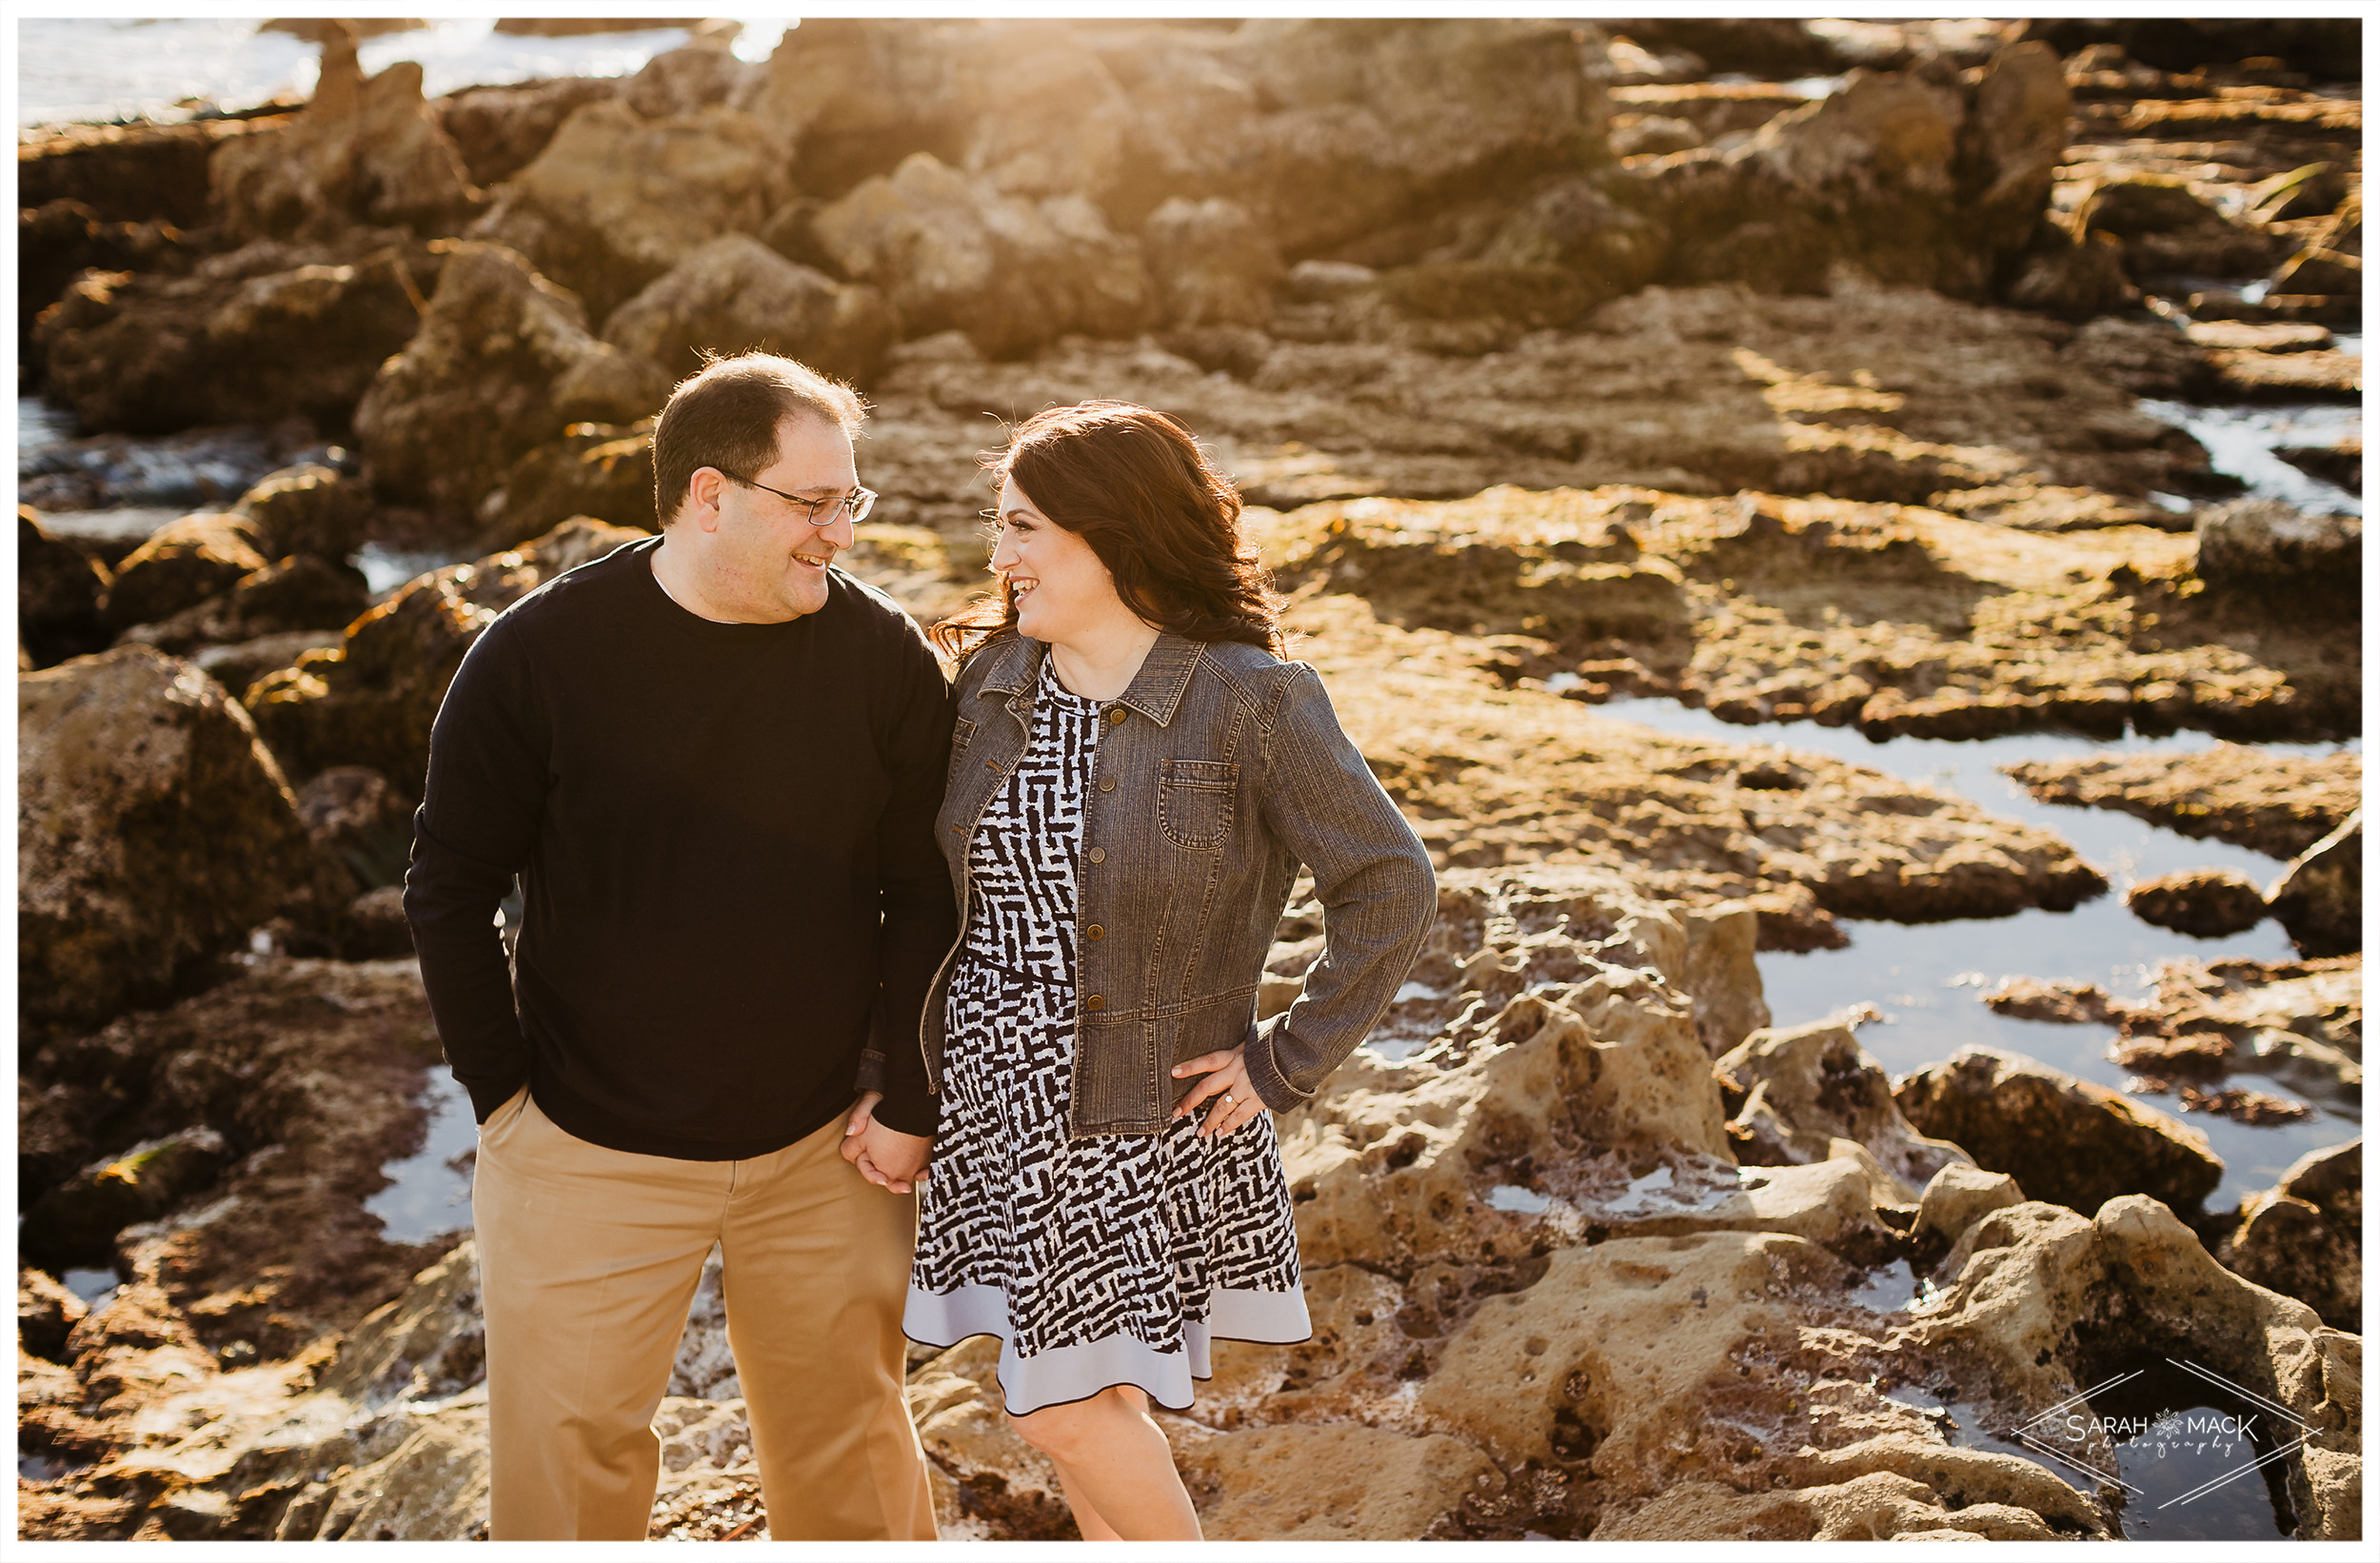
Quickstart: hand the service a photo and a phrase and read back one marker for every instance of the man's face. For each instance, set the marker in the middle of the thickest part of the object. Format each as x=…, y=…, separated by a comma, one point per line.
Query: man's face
x=766, y=563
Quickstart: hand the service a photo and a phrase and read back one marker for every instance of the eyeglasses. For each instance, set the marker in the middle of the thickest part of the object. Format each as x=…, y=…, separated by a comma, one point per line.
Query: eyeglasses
x=856, y=505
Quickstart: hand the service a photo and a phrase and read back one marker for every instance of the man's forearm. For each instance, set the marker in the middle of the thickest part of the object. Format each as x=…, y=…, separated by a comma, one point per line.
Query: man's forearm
x=451, y=905
x=920, y=926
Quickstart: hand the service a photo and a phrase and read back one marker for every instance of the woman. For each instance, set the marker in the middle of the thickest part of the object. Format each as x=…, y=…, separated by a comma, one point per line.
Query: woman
x=1134, y=780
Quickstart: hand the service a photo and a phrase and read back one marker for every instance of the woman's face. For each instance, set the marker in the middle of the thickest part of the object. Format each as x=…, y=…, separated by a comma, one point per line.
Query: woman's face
x=1061, y=587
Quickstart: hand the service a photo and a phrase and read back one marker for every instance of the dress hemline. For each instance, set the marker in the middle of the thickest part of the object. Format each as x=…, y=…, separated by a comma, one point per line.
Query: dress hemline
x=1067, y=1373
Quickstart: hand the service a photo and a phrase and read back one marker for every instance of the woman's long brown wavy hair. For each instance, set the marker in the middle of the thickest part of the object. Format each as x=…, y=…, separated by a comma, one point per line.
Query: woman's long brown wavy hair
x=1135, y=484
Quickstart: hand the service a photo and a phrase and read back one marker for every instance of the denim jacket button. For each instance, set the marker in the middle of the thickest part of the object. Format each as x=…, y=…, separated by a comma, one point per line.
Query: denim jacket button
x=1094, y=931
x=1107, y=783
x=1098, y=854
x=1116, y=714
x=1095, y=1002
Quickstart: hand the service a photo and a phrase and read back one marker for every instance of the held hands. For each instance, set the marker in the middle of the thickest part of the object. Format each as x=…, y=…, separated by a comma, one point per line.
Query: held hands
x=1226, y=1075
x=885, y=1155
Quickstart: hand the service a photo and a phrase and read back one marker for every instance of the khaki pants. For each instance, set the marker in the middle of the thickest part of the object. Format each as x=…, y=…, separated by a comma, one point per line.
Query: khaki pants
x=589, y=1260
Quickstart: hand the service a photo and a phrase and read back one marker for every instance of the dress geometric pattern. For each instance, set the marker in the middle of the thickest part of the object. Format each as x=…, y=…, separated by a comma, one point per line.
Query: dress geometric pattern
x=1113, y=1259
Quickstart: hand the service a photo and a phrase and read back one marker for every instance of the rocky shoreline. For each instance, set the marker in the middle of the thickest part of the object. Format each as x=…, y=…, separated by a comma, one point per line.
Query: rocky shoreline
x=1562, y=371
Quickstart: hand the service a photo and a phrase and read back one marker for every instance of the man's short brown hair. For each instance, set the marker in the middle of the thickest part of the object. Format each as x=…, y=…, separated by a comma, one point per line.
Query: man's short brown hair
x=725, y=416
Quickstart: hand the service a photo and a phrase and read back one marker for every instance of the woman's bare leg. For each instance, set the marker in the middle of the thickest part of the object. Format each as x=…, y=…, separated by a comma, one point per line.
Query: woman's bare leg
x=1086, y=1518
x=1116, y=1467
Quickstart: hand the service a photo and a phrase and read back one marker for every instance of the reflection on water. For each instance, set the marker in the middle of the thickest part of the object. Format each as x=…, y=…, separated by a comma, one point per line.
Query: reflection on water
x=386, y=568
x=97, y=1288
x=2240, y=441
x=431, y=1189
x=105, y=67
x=2195, y=1456
x=1924, y=981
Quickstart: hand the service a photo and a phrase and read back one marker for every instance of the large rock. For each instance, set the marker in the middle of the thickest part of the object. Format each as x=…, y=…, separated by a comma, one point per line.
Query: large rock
x=502, y=364
x=615, y=199
x=848, y=98
x=370, y=701
x=2164, y=229
x=2278, y=804
x=153, y=832
x=1548, y=1020
x=1819, y=1085
x=2046, y=1304
x=2280, y=559
x=59, y=588
x=254, y=335
x=1613, y=1365
x=1356, y=127
x=1212, y=262
x=1574, y=227
x=366, y=150
x=735, y=294
x=309, y=509
x=2204, y=902
x=1916, y=178
x=135, y=172
x=2070, y=1142
x=58, y=241
x=955, y=252
x=2304, y=1237
x=181, y=566
x=76, y=1222
x=354, y=813
x=2320, y=901
x=600, y=470
x=295, y=594
x=499, y=130
x=1960, y=1195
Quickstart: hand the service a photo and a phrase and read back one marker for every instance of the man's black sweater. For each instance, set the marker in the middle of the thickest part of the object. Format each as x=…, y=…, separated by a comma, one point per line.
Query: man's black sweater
x=725, y=835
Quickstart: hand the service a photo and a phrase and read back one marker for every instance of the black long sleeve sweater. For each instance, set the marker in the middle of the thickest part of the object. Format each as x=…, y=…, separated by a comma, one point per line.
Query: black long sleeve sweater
x=725, y=835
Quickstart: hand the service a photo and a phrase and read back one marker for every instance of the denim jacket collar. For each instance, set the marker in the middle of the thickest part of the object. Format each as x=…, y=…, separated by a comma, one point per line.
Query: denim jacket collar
x=1156, y=690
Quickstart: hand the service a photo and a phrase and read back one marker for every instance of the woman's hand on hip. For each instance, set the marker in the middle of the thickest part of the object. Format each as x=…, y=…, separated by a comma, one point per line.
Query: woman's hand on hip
x=885, y=1155
x=1226, y=1085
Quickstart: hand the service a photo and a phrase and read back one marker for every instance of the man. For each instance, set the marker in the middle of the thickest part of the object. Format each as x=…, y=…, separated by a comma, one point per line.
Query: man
x=714, y=762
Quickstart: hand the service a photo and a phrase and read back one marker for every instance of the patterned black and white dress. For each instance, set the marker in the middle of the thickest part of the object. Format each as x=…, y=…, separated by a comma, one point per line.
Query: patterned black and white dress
x=1112, y=1259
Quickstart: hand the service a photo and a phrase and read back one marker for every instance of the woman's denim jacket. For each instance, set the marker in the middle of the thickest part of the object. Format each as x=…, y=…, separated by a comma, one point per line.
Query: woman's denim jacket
x=1218, y=771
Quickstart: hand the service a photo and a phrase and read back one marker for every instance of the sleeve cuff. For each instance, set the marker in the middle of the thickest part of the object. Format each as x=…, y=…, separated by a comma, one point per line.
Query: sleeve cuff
x=911, y=1115
x=486, y=1097
x=1272, y=1087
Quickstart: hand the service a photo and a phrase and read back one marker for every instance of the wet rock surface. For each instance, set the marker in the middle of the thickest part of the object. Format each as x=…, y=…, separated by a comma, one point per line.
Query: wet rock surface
x=2206, y=903
x=153, y=832
x=2304, y=1237
x=503, y=362
x=266, y=331
x=2277, y=804
x=2320, y=901
x=370, y=700
x=2300, y=1022
x=2070, y=1142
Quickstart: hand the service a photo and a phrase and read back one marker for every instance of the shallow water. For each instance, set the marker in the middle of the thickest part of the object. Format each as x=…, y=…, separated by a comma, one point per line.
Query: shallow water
x=430, y=1190
x=1925, y=980
x=112, y=68
x=2240, y=442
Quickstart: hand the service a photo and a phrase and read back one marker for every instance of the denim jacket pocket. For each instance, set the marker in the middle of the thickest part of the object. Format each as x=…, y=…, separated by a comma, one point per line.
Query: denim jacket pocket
x=958, y=736
x=1195, y=802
